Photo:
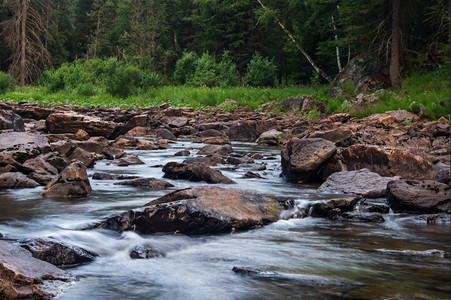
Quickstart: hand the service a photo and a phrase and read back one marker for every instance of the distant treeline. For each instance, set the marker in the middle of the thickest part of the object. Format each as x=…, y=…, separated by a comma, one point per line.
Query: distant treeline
x=212, y=42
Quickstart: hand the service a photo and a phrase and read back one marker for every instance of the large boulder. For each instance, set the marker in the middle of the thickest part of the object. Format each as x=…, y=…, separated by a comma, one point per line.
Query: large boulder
x=418, y=196
x=73, y=181
x=10, y=120
x=361, y=182
x=245, y=131
x=198, y=210
x=16, y=180
x=56, y=253
x=212, y=136
x=385, y=162
x=22, y=276
x=271, y=137
x=303, y=160
x=71, y=122
x=23, y=145
x=194, y=172
x=341, y=136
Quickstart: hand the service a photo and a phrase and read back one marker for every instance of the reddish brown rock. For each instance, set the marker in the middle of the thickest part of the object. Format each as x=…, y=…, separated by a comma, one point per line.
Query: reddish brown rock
x=194, y=172
x=198, y=210
x=127, y=160
x=222, y=150
x=303, y=160
x=272, y=137
x=23, y=145
x=16, y=180
x=150, y=183
x=71, y=122
x=73, y=181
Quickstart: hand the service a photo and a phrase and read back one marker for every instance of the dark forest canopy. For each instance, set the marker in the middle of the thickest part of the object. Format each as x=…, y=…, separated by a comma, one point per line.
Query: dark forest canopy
x=154, y=34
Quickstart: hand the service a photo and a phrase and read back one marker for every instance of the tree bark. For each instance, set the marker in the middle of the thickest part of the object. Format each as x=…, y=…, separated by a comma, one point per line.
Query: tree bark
x=310, y=60
x=22, y=17
x=395, y=47
x=337, y=49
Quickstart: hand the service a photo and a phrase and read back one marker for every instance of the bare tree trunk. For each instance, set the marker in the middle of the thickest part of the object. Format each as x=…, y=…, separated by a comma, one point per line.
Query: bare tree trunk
x=22, y=7
x=337, y=50
x=395, y=46
x=310, y=60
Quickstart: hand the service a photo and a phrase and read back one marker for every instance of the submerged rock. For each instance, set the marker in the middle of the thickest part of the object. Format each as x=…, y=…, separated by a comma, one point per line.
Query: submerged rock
x=198, y=210
x=57, y=253
x=362, y=182
x=73, y=181
x=418, y=196
x=145, y=251
x=194, y=172
x=22, y=275
x=151, y=183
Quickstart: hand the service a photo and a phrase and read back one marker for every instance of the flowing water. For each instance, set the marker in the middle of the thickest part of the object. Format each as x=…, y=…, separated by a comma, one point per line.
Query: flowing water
x=308, y=258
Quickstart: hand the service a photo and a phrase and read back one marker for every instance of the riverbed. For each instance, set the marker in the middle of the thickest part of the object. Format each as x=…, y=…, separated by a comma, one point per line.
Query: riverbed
x=308, y=258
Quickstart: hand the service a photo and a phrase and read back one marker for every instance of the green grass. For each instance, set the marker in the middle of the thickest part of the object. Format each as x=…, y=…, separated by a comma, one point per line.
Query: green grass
x=426, y=89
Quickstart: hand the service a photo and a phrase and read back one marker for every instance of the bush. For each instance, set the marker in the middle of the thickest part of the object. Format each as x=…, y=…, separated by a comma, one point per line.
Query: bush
x=205, y=73
x=261, y=72
x=6, y=83
x=124, y=81
x=228, y=73
x=152, y=79
x=86, y=89
x=185, y=67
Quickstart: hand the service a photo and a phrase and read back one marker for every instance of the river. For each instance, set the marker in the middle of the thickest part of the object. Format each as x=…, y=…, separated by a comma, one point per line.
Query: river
x=309, y=258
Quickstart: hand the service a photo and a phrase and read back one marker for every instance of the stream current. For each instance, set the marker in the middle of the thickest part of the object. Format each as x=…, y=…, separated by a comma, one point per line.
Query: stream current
x=309, y=258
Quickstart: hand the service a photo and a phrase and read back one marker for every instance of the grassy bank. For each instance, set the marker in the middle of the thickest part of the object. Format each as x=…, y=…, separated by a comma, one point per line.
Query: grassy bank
x=427, y=89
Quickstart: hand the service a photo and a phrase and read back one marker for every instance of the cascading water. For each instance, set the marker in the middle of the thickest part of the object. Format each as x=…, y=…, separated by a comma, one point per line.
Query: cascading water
x=294, y=258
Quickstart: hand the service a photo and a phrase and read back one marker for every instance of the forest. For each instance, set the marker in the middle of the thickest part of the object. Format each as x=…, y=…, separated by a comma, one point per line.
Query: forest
x=126, y=47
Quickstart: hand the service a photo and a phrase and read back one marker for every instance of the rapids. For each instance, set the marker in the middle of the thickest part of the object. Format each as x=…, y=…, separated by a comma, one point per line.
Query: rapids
x=309, y=258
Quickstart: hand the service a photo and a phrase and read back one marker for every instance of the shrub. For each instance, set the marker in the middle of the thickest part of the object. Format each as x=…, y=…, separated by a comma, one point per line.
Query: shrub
x=124, y=80
x=205, y=73
x=185, y=67
x=228, y=73
x=152, y=79
x=261, y=72
x=86, y=89
x=6, y=83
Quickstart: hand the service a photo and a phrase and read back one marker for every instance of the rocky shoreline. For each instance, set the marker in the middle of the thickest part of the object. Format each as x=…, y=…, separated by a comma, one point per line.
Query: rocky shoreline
x=395, y=155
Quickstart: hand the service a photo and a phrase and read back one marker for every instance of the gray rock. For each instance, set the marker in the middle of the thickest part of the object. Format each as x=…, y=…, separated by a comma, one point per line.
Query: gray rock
x=22, y=275
x=16, y=180
x=166, y=134
x=332, y=207
x=23, y=145
x=56, y=253
x=362, y=182
x=10, y=120
x=222, y=150
x=418, y=196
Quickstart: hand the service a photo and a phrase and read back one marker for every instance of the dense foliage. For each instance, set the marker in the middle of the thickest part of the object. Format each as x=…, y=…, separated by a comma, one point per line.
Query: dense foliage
x=154, y=35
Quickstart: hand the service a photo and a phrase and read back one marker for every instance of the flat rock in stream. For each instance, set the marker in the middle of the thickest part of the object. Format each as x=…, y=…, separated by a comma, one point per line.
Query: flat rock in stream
x=362, y=182
x=418, y=196
x=150, y=183
x=198, y=210
x=21, y=275
x=194, y=172
x=23, y=145
x=56, y=253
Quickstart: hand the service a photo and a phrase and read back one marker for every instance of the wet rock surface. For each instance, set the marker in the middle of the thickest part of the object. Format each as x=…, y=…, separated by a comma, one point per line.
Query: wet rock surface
x=362, y=182
x=56, y=253
x=21, y=275
x=73, y=181
x=198, y=210
x=304, y=159
x=418, y=196
x=150, y=183
x=194, y=172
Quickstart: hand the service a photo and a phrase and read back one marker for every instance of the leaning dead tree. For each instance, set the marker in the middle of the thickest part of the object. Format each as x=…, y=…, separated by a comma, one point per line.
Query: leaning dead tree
x=26, y=34
x=310, y=60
